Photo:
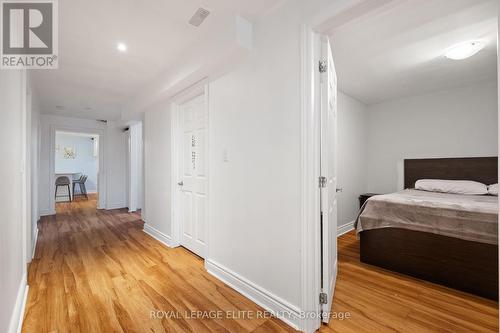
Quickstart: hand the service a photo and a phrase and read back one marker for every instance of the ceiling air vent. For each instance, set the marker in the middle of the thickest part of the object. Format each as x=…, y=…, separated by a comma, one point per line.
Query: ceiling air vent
x=198, y=17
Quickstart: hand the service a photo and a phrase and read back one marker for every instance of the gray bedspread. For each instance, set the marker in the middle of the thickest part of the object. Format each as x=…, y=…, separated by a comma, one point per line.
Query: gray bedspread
x=469, y=217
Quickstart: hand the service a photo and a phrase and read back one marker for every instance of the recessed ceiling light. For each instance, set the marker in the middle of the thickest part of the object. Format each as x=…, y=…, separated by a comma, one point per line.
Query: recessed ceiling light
x=464, y=50
x=122, y=47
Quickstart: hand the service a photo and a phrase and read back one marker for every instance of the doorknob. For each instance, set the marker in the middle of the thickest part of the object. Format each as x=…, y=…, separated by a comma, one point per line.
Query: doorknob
x=181, y=183
x=339, y=190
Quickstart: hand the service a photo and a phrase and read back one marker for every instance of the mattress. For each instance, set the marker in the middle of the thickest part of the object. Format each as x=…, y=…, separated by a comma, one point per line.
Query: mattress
x=468, y=217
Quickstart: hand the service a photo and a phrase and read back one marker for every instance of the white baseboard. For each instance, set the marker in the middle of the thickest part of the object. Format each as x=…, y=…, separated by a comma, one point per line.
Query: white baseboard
x=47, y=212
x=16, y=319
x=270, y=302
x=343, y=229
x=159, y=236
x=116, y=205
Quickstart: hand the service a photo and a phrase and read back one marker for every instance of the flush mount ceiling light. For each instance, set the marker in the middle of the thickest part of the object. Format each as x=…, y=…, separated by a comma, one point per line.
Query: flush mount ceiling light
x=122, y=47
x=464, y=50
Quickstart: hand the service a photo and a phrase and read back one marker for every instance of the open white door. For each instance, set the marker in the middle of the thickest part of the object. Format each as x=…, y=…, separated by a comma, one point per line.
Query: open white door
x=328, y=172
x=193, y=173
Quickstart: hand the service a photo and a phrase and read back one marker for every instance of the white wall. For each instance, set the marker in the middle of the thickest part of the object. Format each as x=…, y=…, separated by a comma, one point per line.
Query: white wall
x=12, y=236
x=157, y=168
x=254, y=198
x=456, y=123
x=114, y=159
x=34, y=146
x=352, y=156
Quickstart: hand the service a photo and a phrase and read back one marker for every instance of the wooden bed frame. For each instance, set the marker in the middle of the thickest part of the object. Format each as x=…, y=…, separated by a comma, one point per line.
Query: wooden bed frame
x=465, y=265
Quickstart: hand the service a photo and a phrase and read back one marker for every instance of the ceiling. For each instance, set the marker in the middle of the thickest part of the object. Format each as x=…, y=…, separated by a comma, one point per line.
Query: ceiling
x=94, y=80
x=395, y=48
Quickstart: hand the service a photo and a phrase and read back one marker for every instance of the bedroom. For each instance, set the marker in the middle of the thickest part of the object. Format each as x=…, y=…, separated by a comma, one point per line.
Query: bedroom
x=407, y=111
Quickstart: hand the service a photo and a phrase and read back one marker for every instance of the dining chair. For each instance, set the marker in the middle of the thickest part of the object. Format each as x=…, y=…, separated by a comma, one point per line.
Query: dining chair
x=81, y=184
x=62, y=181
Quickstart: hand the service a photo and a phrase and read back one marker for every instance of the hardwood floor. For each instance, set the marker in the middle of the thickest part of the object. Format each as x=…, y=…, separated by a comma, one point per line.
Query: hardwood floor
x=96, y=271
x=382, y=301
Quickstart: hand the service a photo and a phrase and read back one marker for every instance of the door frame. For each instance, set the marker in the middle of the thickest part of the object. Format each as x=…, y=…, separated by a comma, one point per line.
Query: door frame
x=198, y=89
x=328, y=279
x=310, y=172
x=311, y=43
x=102, y=175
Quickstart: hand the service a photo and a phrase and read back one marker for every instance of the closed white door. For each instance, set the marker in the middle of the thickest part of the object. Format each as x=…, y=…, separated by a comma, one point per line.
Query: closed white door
x=193, y=172
x=328, y=180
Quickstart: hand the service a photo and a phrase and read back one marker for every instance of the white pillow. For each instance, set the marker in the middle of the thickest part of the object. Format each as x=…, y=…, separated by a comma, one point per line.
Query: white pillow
x=451, y=186
x=493, y=189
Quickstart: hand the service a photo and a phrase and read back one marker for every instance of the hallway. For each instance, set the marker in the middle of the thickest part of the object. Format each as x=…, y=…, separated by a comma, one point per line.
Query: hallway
x=97, y=271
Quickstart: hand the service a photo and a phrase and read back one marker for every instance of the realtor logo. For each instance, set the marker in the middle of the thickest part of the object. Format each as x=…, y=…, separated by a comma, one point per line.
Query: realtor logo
x=29, y=37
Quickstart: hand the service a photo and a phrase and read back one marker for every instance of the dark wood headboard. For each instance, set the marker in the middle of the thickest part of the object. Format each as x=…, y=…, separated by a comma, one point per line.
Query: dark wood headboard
x=479, y=169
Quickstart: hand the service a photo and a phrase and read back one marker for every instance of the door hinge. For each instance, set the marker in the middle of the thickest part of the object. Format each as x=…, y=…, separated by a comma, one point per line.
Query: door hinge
x=323, y=298
x=322, y=181
x=322, y=66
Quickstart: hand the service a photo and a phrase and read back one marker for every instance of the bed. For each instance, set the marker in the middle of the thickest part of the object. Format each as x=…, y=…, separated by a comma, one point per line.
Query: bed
x=449, y=239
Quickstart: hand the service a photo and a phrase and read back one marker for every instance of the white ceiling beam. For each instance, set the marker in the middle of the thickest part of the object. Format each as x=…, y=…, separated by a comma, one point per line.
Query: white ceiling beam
x=354, y=12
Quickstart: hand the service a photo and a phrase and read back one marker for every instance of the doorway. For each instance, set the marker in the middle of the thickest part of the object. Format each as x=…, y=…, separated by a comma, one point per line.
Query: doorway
x=76, y=162
x=190, y=171
x=76, y=157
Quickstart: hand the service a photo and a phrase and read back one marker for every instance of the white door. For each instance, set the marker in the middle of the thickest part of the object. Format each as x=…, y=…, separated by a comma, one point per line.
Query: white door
x=193, y=173
x=328, y=182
